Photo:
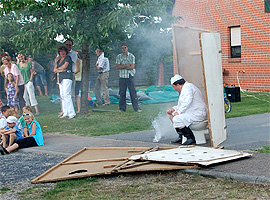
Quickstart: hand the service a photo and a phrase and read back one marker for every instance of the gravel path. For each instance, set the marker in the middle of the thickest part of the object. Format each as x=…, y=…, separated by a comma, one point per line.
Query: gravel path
x=19, y=168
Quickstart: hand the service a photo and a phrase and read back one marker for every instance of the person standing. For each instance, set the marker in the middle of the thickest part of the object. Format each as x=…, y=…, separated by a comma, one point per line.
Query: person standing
x=12, y=92
x=53, y=88
x=75, y=64
x=103, y=67
x=191, y=108
x=13, y=68
x=125, y=63
x=28, y=74
x=63, y=68
x=2, y=77
x=40, y=76
x=78, y=81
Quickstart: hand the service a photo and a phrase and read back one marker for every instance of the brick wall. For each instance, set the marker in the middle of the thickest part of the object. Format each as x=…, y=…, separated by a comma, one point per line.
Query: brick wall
x=219, y=15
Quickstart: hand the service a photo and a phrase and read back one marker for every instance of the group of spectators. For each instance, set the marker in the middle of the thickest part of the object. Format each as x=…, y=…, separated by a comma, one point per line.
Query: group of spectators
x=25, y=131
x=21, y=132
x=19, y=81
x=65, y=70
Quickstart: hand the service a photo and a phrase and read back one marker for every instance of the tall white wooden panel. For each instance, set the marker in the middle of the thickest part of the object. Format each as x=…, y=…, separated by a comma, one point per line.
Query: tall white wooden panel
x=212, y=69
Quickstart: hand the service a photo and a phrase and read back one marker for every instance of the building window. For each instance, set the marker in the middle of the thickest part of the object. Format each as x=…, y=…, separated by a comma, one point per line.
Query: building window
x=267, y=5
x=235, y=42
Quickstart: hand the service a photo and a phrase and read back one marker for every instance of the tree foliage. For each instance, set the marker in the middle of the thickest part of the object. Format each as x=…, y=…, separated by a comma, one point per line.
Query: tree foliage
x=97, y=22
x=8, y=29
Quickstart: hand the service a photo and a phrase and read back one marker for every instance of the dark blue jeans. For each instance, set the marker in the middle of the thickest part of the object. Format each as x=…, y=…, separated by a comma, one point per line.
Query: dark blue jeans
x=125, y=83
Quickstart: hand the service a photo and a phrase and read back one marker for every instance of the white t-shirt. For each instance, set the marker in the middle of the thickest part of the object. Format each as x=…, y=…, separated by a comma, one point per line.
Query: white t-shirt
x=74, y=58
x=3, y=122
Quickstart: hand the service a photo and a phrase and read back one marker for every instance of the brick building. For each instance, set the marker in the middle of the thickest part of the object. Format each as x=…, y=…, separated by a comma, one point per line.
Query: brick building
x=244, y=27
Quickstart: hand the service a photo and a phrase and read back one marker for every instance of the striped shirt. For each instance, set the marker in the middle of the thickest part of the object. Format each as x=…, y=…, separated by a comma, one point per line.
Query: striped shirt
x=123, y=60
x=103, y=63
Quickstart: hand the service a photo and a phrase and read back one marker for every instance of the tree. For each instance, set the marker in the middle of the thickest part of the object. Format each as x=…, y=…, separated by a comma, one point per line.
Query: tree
x=89, y=22
x=8, y=29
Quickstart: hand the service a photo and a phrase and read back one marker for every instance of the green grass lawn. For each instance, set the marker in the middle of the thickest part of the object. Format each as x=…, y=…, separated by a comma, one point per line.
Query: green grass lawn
x=106, y=123
x=157, y=185
x=251, y=103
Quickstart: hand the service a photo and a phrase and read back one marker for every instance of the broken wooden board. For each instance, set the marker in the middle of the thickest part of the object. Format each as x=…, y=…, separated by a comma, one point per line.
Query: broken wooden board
x=100, y=161
x=192, y=155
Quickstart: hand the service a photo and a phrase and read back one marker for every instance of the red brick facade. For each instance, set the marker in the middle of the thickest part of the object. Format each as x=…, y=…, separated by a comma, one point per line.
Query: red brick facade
x=220, y=15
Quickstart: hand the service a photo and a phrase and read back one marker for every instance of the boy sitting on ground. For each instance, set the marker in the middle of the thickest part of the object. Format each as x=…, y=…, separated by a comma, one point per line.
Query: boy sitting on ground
x=3, y=120
x=34, y=137
x=13, y=112
x=11, y=133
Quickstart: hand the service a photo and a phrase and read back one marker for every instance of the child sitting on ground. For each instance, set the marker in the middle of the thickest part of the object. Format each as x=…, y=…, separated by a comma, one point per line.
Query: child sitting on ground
x=25, y=109
x=3, y=120
x=11, y=133
x=34, y=138
x=13, y=112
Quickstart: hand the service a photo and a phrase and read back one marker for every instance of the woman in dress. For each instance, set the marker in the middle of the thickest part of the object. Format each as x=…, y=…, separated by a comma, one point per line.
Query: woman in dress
x=28, y=75
x=63, y=68
x=12, y=68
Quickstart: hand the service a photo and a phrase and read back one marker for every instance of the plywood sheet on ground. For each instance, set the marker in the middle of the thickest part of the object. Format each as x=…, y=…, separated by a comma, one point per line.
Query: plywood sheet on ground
x=192, y=155
x=100, y=161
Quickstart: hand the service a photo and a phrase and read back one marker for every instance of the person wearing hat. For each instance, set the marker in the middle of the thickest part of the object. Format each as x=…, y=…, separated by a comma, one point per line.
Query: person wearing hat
x=11, y=133
x=191, y=108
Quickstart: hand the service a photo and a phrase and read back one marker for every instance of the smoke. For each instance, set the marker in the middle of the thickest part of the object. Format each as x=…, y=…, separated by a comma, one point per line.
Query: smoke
x=163, y=128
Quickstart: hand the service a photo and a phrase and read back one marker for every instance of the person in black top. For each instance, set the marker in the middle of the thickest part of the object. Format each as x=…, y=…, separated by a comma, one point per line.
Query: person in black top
x=63, y=68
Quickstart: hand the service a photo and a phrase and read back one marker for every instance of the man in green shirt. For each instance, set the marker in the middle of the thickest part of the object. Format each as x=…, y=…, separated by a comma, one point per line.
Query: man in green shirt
x=125, y=63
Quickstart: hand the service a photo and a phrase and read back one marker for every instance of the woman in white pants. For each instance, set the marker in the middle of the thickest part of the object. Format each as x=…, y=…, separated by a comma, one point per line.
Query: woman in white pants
x=63, y=68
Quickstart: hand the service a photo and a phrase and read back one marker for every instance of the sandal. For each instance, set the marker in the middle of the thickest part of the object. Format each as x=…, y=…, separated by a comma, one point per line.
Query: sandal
x=3, y=150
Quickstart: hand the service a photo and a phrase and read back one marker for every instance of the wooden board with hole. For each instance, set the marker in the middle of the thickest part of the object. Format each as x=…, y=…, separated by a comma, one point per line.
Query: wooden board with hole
x=192, y=155
x=100, y=161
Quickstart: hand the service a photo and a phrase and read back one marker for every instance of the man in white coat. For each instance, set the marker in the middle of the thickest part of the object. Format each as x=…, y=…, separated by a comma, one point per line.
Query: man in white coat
x=191, y=108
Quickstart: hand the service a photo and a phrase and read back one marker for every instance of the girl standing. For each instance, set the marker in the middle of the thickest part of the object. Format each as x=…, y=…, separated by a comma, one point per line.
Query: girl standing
x=12, y=92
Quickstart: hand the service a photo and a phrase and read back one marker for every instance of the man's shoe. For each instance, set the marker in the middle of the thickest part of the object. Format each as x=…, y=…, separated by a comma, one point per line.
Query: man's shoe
x=3, y=150
x=139, y=110
x=189, y=142
x=178, y=141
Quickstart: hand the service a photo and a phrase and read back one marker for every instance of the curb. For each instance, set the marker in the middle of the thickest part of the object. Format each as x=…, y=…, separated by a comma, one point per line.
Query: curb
x=258, y=180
